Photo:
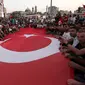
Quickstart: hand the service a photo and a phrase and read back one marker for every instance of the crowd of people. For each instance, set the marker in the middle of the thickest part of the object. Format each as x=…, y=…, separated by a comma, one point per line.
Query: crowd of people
x=12, y=24
x=71, y=33
x=69, y=29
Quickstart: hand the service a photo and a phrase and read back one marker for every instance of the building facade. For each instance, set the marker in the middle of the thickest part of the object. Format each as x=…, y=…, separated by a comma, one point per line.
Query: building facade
x=53, y=11
x=3, y=10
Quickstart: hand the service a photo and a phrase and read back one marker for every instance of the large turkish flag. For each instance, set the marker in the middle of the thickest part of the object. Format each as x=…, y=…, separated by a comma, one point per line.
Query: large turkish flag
x=32, y=59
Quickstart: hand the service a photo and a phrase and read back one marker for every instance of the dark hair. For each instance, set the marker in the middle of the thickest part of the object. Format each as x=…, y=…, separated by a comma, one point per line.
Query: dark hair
x=73, y=27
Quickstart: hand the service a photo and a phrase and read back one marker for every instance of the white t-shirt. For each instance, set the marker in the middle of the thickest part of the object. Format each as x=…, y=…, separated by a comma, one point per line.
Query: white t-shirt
x=66, y=35
x=75, y=41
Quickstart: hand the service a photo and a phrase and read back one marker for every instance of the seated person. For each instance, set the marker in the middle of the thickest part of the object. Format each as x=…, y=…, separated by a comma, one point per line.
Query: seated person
x=66, y=35
x=5, y=29
x=2, y=35
x=73, y=33
x=71, y=36
x=14, y=28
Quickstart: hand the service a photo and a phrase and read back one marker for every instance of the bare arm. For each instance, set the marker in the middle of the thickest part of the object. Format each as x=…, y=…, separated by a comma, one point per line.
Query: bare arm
x=76, y=51
x=71, y=48
x=76, y=66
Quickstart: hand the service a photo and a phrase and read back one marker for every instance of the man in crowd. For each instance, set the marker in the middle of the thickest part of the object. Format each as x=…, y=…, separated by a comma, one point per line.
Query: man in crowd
x=78, y=57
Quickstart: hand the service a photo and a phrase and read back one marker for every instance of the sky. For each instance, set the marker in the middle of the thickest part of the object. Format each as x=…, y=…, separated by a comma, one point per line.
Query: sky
x=21, y=5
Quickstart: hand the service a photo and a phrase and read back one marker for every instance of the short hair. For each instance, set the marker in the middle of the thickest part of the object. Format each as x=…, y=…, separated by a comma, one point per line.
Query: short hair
x=73, y=27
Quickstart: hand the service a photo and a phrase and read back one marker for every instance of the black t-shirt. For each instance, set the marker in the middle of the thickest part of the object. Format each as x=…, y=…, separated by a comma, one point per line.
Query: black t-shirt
x=79, y=75
x=79, y=59
x=79, y=46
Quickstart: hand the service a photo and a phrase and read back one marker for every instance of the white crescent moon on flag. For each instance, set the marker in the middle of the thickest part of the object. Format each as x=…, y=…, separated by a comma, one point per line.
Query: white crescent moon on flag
x=9, y=56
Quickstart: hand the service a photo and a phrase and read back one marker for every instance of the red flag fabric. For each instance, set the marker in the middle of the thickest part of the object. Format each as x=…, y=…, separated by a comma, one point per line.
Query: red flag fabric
x=30, y=57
